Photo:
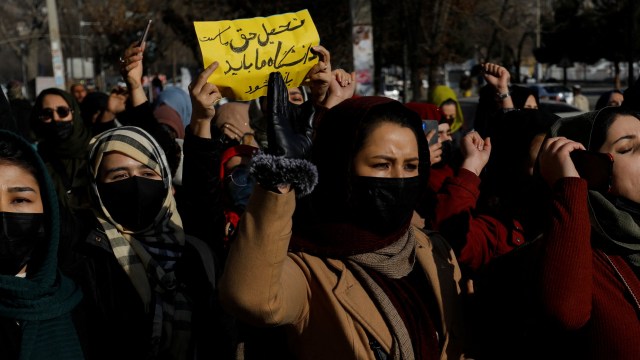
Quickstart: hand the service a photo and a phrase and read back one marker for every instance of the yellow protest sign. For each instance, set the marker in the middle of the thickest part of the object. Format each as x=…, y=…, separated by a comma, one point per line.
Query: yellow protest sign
x=248, y=50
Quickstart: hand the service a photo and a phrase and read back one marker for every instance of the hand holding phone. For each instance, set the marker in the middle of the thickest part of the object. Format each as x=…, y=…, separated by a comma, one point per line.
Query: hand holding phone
x=595, y=167
x=143, y=38
x=427, y=126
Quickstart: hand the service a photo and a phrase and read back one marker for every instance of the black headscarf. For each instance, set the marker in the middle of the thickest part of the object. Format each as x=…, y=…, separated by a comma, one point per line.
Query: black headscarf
x=76, y=145
x=488, y=108
x=507, y=187
x=66, y=159
x=603, y=100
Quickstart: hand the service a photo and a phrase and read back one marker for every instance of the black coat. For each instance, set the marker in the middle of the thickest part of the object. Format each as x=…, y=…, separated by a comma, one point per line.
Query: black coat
x=111, y=320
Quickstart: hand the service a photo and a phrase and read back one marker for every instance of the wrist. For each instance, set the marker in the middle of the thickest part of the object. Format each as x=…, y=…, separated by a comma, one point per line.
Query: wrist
x=502, y=95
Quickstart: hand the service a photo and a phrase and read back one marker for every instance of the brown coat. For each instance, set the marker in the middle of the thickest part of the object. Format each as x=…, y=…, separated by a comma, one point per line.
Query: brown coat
x=327, y=311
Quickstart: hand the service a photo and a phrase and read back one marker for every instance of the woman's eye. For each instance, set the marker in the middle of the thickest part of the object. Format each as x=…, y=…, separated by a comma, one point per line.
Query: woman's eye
x=20, y=201
x=381, y=165
x=624, y=151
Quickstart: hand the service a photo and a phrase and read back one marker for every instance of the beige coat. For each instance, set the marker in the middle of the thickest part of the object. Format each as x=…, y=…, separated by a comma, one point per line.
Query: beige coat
x=326, y=309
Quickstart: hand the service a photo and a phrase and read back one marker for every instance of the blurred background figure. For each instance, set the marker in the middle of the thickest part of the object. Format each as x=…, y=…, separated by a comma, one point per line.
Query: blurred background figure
x=579, y=100
x=610, y=98
x=20, y=108
x=79, y=91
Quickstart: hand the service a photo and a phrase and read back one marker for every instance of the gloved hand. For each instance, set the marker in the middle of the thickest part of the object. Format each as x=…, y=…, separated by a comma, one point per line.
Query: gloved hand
x=289, y=126
x=289, y=130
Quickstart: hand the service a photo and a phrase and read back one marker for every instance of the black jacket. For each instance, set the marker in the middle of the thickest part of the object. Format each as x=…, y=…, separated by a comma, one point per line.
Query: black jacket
x=111, y=320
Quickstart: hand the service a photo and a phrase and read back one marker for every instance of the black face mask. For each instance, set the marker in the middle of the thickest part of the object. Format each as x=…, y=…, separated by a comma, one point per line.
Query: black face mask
x=239, y=185
x=383, y=205
x=64, y=129
x=133, y=202
x=59, y=130
x=18, y=237
x=447, y=153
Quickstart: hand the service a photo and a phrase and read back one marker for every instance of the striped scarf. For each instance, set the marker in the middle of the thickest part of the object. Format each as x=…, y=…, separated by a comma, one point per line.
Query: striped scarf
x=394, y=261
x=150, y=255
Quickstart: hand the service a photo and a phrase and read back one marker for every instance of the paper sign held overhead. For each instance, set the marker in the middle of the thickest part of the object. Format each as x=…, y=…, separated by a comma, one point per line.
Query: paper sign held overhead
x=248, y=50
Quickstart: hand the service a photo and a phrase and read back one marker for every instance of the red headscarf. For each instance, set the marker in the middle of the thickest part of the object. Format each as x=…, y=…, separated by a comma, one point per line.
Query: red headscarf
x=427, y=111
x=238, y=150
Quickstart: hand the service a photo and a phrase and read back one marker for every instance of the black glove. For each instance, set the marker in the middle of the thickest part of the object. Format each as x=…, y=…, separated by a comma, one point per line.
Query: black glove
x=289, y=127
x=289, y=131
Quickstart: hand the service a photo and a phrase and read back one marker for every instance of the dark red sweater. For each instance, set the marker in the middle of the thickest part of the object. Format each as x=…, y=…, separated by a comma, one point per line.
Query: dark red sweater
x=583, y=288
x=476, y=238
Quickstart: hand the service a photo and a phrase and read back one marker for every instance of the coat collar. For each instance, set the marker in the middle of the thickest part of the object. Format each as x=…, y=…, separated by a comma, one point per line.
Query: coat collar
x=357, y=302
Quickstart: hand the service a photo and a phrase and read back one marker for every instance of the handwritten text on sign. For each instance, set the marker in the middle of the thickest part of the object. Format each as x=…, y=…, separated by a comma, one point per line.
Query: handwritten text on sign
x=248, y=50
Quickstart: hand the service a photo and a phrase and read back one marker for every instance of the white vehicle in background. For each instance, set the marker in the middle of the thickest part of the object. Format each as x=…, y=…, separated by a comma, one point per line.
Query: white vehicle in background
x=553, y=92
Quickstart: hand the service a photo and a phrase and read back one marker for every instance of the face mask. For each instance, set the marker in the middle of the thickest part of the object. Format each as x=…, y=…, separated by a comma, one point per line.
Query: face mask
x=239, y=186
x=59, y=130
x=64, y=129
x=383, y=205
x=133, y=202
x=18, y=237
x=447, y=153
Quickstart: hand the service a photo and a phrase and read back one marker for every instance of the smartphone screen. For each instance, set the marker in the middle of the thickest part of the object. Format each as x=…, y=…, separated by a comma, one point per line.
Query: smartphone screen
x=427, y=126
x=595, y=167
x=143, y=38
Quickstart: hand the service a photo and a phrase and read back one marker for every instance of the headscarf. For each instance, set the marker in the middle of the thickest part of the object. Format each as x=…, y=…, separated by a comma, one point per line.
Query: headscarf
x=617, y=227
x=520, y=94
x=442, y=93
x=66, y=160
x=76, y=145
x=178, y=100
x=426, y=111
x=603, y=100
x=149, y=256
x=517, y=193
x=44, y=300
x=165, y=114
x=488, y=108
x=333, y=152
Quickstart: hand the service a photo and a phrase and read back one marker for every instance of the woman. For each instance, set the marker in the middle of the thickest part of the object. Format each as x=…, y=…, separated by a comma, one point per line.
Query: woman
x=613, y=97
x=498, y=97
x=36, y=301
x=589, y=281
x=358, y=281
x=62, y=139
x=149, y=286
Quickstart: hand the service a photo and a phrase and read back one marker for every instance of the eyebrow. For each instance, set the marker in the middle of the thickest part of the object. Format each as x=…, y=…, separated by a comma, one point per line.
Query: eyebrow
x=391, y=158
x=126, y=168
x=17, y=189
x=626, y=137
x=116, y=169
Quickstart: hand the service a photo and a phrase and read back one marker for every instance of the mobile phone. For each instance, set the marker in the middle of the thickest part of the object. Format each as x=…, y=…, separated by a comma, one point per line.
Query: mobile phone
x=595, y=167
x=428, y=125
x=146, y=32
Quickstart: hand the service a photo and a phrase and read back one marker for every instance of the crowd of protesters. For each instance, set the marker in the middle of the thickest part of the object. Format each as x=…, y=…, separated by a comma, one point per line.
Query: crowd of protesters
x=314, y=223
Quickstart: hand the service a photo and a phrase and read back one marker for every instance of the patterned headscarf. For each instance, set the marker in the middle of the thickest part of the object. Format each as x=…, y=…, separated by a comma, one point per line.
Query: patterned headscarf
x=148, y=256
